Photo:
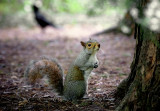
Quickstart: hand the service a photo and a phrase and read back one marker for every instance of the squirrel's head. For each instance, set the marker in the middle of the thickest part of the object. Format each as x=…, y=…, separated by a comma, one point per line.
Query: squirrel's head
x=91, y=46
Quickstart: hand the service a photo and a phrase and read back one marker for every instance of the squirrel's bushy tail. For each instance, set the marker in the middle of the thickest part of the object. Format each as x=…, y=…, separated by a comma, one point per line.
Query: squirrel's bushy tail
x=37, y=69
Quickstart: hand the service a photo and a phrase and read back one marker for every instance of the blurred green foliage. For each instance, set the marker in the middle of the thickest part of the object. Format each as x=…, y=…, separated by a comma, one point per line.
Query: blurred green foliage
x=57, y=6
x=13, y=10
x=90, y=7
x=70, y=6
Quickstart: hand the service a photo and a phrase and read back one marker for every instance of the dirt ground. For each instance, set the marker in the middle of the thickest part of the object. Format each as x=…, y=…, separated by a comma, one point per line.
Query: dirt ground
x=20, y=45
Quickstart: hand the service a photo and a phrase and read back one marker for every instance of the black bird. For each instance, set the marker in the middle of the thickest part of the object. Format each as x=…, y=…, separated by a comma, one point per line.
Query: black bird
x=40, y=18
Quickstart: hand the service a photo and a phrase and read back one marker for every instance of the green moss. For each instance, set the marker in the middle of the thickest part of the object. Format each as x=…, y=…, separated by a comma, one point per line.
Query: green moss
x=122, y=74
x=84, y=103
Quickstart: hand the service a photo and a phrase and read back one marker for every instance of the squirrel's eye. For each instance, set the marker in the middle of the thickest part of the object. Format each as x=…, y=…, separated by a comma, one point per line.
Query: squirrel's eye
x=89, y=45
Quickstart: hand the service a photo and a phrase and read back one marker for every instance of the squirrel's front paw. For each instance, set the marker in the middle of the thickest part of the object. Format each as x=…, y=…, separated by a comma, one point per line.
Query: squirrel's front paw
x=95, y=65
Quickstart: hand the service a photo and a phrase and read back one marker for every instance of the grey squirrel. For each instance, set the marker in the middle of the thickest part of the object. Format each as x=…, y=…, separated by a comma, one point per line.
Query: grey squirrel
x=75, y=83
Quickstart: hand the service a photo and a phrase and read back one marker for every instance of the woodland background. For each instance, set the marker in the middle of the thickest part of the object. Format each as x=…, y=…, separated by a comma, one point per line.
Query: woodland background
x=22, y=40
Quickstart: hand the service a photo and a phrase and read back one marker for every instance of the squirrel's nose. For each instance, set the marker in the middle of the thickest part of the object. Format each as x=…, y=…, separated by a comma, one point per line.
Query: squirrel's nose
x=97, y=46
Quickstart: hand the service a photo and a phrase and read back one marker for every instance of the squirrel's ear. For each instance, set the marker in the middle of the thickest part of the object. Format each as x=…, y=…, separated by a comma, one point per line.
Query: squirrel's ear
x=83, y=44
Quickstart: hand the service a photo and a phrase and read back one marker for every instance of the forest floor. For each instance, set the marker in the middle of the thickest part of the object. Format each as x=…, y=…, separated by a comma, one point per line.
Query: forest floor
x=20, y=45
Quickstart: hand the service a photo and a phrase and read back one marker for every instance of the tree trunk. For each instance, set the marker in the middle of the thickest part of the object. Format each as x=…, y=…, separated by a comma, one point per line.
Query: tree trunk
x=141, y=90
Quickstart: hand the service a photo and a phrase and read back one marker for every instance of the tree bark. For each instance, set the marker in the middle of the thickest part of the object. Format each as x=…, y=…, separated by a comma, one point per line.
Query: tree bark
x=141, y=90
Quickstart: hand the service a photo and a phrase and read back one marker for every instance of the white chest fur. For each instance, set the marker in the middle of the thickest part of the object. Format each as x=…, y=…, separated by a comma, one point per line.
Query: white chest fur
x=92, y=60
